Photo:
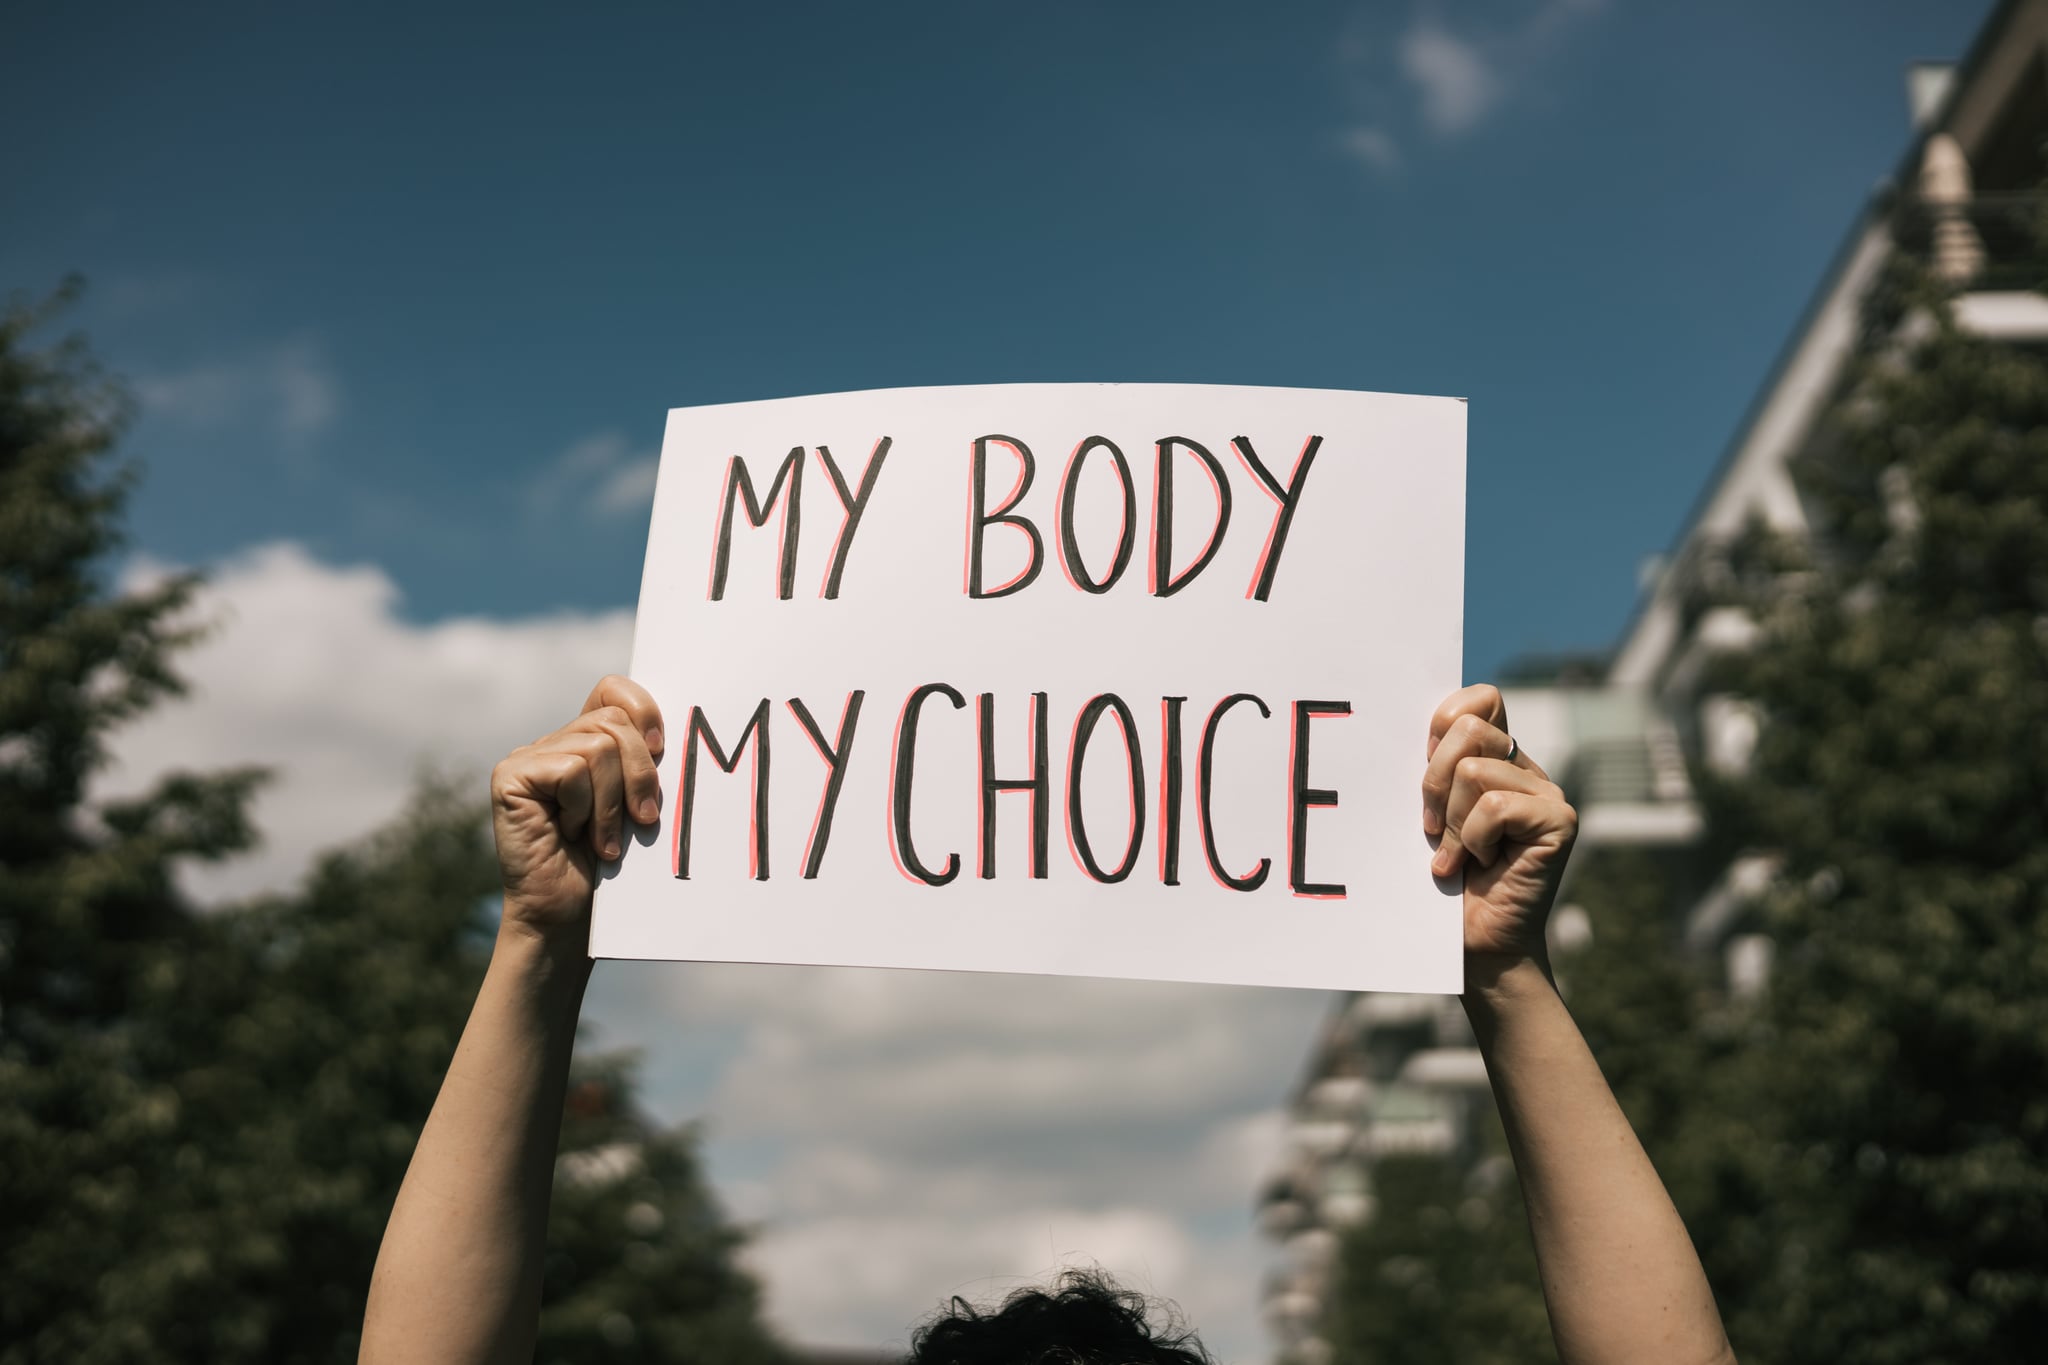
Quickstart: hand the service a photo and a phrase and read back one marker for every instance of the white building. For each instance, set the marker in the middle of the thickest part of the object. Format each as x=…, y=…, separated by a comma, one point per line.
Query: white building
x=1398, y=1073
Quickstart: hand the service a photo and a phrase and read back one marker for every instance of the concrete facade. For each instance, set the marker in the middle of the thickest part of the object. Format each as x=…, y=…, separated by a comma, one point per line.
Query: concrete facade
x=1623, y=735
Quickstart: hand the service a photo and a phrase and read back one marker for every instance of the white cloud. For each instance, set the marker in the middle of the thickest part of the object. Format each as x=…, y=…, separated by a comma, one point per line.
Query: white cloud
x=287, y=390
x=869, y=1278
x=1374, y=147
x=1175, y=1047
x=311, y=669
x=627, y=489
x=1457, y=85
x=1458, y=75
x=896, y=1136
x=602, y=476
x=934, y=1132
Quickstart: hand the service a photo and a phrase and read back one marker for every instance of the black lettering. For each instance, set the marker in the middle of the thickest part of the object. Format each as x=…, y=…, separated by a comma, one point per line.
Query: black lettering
x=979, y=520
x=1076, y=827
x=1289, y=499
x=1306, y=796
x=1206, y=782
x=835, y=755
x=738, y=485
x=1038, y=784
x=1164, y=583
x=899, y=783
x=854, y=503
x=1070, y=549
x=757, y=732
x=1170, y=794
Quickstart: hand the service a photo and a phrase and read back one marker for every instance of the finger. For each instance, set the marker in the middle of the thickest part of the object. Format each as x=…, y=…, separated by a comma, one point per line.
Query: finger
x=1467, y=736
x=599, y=752
x=1512, y=817
x=634, y=700
x=642, y=793
x=554, y=777
x=1481, y=699
x=1473, y=779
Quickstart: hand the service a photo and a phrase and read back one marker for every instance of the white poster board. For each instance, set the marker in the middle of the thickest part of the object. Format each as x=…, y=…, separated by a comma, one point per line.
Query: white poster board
x=989, y=678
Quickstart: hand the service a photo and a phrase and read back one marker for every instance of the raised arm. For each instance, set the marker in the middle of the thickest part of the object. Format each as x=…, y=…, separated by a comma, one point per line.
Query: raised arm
x=458, y=1275
x=1620, y=1275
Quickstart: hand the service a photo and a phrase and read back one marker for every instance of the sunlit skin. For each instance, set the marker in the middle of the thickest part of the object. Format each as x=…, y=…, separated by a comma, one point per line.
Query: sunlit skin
x=1506, y=823
x=559, y=807
x=458, y=1275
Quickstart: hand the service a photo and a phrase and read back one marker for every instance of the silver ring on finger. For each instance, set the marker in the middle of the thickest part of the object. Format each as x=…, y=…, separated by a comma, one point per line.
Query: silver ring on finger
x=1514, y=749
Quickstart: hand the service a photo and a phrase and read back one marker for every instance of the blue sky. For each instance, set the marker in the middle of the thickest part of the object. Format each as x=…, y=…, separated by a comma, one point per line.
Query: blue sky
x=404, y=263
x=405, y=293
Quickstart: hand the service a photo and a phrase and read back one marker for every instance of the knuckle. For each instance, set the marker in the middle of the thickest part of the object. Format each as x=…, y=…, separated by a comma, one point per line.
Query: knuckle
x=1470, y=770
x=611, y=716
x=1467, y=728
x=1489, y=698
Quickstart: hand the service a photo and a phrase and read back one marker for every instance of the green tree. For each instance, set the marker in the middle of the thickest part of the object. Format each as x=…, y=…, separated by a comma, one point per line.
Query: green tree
x=1902, y=775
x=91, y=926
x=330, y=1023
x=204, y=1117
x=1862, y=1153
x=639, y=1257
x=1444, y=1270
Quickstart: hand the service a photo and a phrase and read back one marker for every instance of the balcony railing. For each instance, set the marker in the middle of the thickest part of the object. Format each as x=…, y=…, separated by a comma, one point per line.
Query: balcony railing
x=2011, y=228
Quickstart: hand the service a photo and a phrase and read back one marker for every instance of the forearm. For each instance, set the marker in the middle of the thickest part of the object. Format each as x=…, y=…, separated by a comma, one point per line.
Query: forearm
x=1619, y=1272
x=458, y=1275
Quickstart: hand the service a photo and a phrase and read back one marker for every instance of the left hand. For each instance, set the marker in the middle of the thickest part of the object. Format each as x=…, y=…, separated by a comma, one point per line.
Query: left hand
x=1505, y=822
x=559, y=807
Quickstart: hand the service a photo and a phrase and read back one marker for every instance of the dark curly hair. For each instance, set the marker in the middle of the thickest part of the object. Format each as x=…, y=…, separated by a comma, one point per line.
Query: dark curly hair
x=1087, y=1319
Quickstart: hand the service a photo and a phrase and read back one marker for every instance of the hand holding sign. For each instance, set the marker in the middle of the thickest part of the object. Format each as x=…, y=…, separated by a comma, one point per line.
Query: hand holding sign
x=560, y=803
x=1503, y=814
x=723, y=635
x=559, y=806
x=467, y=1223
x=1141, y=711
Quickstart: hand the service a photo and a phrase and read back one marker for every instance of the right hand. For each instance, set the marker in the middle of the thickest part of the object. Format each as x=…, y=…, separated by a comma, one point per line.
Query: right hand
x=559, y=806
x=1503, y=820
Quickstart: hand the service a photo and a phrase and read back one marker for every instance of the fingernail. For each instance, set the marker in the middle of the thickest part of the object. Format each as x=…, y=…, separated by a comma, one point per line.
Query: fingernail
x=654, y=739
x=1441, y=863
x=611, y=850
x=1429, y=822
x=648, y=810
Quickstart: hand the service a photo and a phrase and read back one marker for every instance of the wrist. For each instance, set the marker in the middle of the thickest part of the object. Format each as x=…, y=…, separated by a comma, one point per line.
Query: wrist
x=1494, y=981
x=547, y=950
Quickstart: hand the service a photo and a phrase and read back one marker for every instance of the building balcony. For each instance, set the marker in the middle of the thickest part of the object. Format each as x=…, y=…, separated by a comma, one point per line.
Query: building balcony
x=1993, y=247
x=2001, y=235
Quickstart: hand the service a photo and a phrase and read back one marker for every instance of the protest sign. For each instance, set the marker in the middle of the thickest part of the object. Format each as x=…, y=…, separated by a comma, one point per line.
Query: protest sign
x=1095, y=679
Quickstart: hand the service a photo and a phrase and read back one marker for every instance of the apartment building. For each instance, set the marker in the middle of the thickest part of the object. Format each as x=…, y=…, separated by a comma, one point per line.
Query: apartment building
x=1624, y=734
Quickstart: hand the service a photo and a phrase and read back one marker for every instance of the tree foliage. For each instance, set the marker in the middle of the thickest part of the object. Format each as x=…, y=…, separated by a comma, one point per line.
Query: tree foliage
x=204, y=1117
x=93, y=935
x=1861, y=1153
x=1902, y=776
x=1443, y=1271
